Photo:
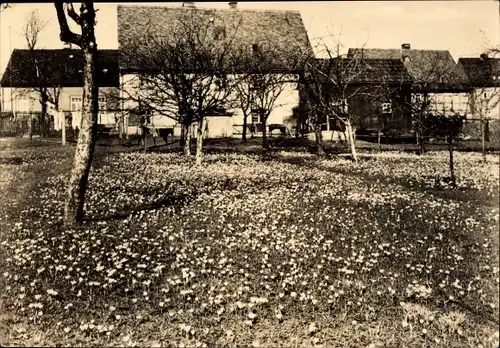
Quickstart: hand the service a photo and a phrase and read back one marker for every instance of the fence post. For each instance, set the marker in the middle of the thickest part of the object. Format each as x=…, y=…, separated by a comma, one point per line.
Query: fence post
x=63, y=128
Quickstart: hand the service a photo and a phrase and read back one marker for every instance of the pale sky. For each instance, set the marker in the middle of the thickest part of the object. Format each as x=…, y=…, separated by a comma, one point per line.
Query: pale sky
x=465, y=28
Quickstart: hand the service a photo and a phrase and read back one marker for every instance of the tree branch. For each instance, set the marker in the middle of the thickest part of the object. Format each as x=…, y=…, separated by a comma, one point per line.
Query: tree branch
x=72, y=14
x=66, y=35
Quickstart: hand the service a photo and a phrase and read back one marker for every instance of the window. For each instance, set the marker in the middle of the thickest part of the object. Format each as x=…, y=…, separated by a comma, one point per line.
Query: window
x=256, y=114
x=102, y=103
x=341, y=105
x=386, y=108
x=76, y=103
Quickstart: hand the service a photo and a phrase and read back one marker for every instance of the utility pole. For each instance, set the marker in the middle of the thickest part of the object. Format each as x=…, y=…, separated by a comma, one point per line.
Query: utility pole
x=2, y=101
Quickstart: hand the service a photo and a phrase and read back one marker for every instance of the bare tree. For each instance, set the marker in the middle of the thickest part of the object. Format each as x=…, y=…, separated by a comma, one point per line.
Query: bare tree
x=32, y=29
x=331, y=84
x=258, y=88
x=77, y=186
x=185, y=75
x=48, y=76
x=450, y=128
x=433, y=77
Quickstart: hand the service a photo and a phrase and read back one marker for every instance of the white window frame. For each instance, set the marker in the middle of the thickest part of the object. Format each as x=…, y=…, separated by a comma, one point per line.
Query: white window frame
x=342, y=104
x=102, y=103
x=76, y=103
x=386, y=108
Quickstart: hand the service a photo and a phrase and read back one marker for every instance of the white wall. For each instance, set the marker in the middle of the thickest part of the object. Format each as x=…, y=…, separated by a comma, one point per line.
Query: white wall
x=448, y=103
x=487, y=103
x=218, y=125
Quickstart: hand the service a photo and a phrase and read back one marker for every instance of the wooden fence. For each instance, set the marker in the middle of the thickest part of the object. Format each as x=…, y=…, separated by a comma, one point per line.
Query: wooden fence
x=23, y=124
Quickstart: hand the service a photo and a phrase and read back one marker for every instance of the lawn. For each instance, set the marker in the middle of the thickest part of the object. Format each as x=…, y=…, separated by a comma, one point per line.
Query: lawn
x=281, y=250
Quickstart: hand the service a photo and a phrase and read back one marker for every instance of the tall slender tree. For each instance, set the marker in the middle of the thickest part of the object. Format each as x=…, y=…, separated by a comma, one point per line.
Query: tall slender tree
x=77, y=186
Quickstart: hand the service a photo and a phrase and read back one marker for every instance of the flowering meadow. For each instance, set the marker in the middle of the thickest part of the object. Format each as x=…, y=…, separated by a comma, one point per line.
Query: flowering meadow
x=282, y=250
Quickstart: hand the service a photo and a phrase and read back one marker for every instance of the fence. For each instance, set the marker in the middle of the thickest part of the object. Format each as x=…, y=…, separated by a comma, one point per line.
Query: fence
x=472, y=130
x=24, y=124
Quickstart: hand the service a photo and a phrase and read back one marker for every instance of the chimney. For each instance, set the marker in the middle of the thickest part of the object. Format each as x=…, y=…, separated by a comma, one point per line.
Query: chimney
x=405, y=49
x=233, y=5
x=188, y=4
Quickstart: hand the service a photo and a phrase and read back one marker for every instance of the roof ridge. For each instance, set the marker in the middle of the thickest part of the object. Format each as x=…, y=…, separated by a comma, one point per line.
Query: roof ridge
x=62, y=49
x=212, y=9
x=397, y=49
x=479, y=58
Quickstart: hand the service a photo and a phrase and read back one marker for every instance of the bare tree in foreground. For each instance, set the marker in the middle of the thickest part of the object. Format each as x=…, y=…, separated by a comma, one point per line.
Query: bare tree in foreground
x=77, y=186
x=184, y=75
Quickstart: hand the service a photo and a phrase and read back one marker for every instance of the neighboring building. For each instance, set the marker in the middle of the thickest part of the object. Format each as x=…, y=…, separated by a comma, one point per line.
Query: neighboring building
x=374, y=95
x=60, y=71
x=283, y=30
x=437, y=79
x=484, y=76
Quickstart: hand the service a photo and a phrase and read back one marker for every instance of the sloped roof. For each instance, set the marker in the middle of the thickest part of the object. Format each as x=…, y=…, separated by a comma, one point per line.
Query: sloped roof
x=58, y=67
x=430, y=69
x=280, y=31
x=481, y=71
x=368, y=71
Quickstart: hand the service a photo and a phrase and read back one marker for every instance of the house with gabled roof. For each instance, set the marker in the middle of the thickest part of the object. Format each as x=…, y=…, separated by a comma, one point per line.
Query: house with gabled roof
x=370, y=92
x=435, y=75
x=279, y=31
x=59, y=71
x=484, y=76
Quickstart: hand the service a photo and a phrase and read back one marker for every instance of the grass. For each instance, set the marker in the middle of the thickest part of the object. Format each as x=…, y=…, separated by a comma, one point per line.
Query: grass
x=282, y=250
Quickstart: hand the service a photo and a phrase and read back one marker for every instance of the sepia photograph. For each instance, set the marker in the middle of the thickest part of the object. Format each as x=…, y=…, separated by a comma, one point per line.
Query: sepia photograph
x=250, y=174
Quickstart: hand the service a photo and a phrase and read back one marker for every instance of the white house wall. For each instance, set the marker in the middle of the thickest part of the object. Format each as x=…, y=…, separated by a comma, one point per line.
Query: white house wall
x=218, y=126
x=488, y=104
x=448, y=103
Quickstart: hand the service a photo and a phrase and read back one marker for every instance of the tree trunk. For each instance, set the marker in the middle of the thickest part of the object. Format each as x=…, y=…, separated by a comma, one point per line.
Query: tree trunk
x=378, y=140
x=318, y=135
x=452, y=164
x=187, y=141
x=199, y=142
x=264, y=136
x=420, y=143
x=63, y=128
x=483, y=138
x=31, y=127
x=183, y=135
x=350, y=133
x=245, y=123
x=43, y=115
x=73, y=210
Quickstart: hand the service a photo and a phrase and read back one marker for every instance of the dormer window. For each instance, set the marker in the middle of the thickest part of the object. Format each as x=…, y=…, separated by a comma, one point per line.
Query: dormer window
x=406, y=59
